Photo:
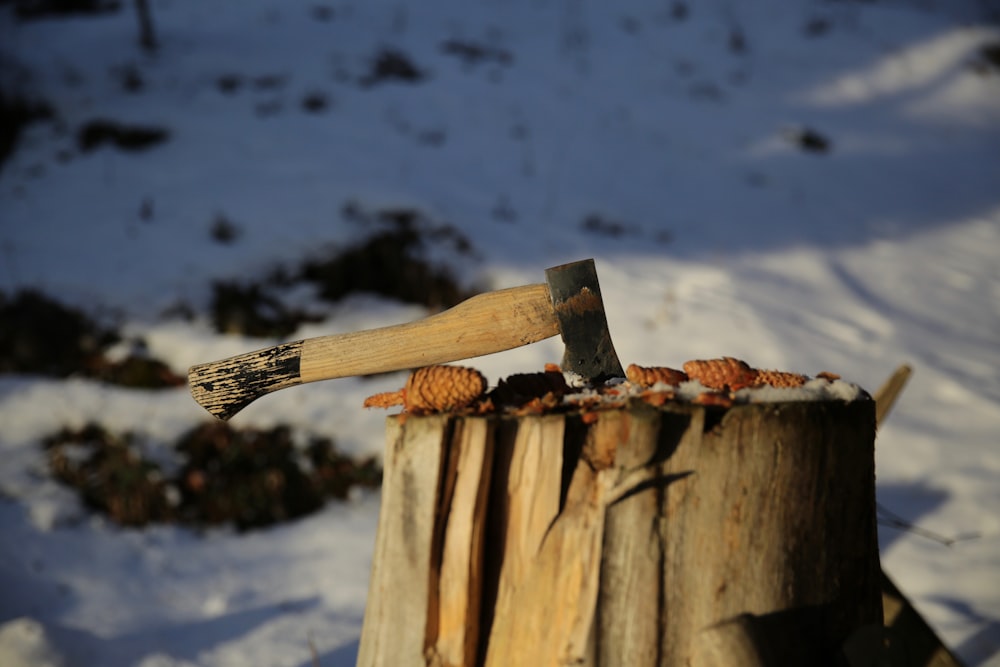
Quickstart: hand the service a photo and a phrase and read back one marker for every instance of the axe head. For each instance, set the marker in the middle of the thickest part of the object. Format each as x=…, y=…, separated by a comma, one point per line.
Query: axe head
x=576, y=299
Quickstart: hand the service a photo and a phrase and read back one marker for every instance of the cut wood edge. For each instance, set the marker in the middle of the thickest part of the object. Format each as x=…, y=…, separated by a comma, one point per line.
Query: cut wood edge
x=395, y=626
x=529, y=496
x=547, y=619
x=461, y=576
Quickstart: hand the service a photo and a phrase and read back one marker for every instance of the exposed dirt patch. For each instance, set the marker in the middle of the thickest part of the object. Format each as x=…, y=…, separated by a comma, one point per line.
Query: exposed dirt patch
x=250, y=478
x=810, y=140
x=323, y=13
x=596, y=223
x=129, y=77
x=16, y=113
x=988, y=59
x=315, y=102
x=392, y=262
x=229, y=84
x=817, y=26
x=40, y=9
x=101, y=132
x=110, y=475
x=253, y=309
x=223, y=230
x=269, y=82
x=390, y=65
x=136, y=371
x=42, y=336
x=472, y=53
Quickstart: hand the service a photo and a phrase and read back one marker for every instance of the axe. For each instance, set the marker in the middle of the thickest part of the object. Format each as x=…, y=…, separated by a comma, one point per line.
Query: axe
x=568, y=303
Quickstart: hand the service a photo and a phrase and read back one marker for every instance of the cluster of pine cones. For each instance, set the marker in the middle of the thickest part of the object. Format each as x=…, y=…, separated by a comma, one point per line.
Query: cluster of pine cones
x=722, y=374
x=450, y=388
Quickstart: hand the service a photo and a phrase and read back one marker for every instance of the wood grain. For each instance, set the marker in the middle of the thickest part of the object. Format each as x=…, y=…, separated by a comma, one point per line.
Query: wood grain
x=670, y=536
x=396, y=615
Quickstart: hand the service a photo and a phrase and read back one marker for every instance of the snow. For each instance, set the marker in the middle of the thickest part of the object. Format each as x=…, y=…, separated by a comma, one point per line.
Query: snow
x=733, y=241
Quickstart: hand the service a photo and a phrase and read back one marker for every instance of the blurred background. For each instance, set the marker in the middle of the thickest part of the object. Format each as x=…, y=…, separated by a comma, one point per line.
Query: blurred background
x=810, y=186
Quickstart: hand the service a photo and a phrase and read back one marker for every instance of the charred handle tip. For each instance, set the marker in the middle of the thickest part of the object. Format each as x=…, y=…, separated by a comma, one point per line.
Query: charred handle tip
x=225, y=387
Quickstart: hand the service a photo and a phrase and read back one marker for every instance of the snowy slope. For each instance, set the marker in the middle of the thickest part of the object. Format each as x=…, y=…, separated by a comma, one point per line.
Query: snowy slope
x=673, y=128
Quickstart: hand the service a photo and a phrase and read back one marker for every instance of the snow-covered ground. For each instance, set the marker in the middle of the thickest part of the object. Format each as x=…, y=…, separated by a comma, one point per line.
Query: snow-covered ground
x=674, y=128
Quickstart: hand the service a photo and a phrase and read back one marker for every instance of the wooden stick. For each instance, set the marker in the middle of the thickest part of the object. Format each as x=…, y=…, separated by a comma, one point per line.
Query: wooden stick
x=890, y=390
x=910, y=637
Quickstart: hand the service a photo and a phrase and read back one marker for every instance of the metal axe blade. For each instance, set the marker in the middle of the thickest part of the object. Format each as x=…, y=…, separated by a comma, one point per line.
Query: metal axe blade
x=583, y=324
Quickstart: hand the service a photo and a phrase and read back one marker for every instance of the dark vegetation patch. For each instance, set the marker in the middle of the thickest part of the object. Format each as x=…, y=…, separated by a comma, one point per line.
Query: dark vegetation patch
x=42, y=336
x=315, y=102
x=16, y=113
x=322, y=13
x=100, y=132
x=810, y=140
x=224, y=230
x=612, y=228
x=737, y=41
x=630, y=25
x=39, y=9
x=270, y=81
x=988, y=60
x=136, y=371
x=253, y=309
x=818, y=26
x=595, y=223
x=269, y=108
x=130, y=78
x=147, y=209
x=109, y=475
x=391, y=262
x=472, y=53
x=250, y=478
x=432, y=137
x=392, y=65
x=229, y=84
x=503, y=210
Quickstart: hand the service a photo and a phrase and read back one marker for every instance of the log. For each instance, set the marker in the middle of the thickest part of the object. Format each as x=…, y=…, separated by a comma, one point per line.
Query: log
x=673, y=535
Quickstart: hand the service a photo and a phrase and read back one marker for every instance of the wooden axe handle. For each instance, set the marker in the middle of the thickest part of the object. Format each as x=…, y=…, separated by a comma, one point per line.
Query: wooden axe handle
x=487, y=323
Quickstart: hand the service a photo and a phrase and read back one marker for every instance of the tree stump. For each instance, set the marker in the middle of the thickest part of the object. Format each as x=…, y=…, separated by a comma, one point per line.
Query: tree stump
x=674, y=535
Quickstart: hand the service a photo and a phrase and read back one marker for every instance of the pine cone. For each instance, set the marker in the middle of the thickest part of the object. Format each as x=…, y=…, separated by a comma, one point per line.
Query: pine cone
x=648, y=376
x=434, y=389
x=723, y=373
x=442, y=388
x=779, y=379
x=386, y=399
